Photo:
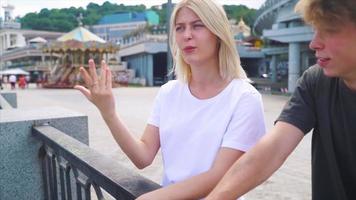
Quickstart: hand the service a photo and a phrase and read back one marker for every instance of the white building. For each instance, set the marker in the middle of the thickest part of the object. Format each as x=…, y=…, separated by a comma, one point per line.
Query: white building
x=113, y=28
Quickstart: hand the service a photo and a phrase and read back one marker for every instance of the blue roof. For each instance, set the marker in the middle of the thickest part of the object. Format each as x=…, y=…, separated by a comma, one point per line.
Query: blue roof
x=126, y=17
x=122, y=18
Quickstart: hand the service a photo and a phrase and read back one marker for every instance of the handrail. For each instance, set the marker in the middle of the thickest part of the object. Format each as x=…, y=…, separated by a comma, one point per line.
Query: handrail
x=89, y=167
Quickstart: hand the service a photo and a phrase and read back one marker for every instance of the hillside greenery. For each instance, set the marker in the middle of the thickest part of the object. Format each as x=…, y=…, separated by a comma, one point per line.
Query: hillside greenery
x=66, y=19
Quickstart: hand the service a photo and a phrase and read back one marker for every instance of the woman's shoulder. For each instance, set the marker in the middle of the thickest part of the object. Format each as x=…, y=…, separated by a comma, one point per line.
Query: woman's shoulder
x=243, y=93
x=243, y=86
x=171, y=86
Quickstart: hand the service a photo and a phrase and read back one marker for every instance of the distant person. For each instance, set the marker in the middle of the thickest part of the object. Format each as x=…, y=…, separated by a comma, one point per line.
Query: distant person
x=1, y=81
x=5, y=80
x=13, y=80
x=39, y=81
x=22, y=82
x=27, y=78
x=324, y=101
x=202, y=122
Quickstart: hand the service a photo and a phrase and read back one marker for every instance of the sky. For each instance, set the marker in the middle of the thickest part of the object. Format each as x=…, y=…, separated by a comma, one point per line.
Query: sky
x=25, y=6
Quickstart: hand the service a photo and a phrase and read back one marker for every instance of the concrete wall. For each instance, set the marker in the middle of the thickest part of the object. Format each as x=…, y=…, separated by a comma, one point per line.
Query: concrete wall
x=10, y=97
x=20, y=167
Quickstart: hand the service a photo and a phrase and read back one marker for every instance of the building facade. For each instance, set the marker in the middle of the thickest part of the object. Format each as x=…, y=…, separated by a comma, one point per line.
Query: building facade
x=19, y=47
x=113, y=28
x=22, y=48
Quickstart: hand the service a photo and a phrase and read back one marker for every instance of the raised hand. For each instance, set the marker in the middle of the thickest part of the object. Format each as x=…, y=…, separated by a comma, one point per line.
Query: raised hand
x=99, y=87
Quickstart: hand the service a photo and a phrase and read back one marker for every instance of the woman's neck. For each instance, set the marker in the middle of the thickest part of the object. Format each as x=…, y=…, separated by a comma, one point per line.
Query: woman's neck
x=206, y=83
x=205, y=89
x=205, y=73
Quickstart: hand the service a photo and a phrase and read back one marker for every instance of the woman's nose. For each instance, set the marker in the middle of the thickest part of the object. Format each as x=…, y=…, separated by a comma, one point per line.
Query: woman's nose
x=188, y=34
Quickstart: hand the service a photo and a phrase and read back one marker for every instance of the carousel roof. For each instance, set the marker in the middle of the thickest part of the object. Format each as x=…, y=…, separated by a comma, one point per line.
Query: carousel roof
x=74, y=45
x=82, y=35
x=80, y=39
x=37, y=40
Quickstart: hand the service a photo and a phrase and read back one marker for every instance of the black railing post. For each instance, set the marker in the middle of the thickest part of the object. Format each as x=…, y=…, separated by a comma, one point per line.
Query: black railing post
x=45, y=175
x=68, y=182
x=62, y=168
x=54, y=176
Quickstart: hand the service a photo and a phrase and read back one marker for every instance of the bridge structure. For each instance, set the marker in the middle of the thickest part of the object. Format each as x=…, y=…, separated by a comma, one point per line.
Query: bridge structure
x=287, y=38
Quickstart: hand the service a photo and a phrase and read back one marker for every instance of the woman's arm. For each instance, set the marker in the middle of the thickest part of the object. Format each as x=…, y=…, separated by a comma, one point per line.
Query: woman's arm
x=198, y=186
x=140, y=151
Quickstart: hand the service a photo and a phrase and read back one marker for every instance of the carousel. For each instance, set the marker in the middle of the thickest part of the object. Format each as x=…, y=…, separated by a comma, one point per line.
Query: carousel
x=75, y=49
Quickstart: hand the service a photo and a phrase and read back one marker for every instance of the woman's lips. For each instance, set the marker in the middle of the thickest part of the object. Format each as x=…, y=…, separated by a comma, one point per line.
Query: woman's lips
x=189, y=49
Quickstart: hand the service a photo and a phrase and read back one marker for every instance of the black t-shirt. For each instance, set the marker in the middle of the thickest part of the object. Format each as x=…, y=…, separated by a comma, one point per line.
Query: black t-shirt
x=328, y=106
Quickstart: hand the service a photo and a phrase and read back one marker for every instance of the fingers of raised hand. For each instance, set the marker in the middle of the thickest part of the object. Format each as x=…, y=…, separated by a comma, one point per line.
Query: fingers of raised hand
x=92, y=72
x=96, y=81
x=103, y=74
x=105, y=78
x=84, y=90
x=108, y=78
x=86, y=77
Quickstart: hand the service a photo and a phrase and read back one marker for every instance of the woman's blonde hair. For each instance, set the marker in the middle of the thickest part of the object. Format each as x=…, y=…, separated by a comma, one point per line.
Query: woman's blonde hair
x=327, y=14
x=214, y=18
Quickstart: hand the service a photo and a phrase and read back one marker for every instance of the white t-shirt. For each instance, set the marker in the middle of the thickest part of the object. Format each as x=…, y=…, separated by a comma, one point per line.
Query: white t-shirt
x=193, y=130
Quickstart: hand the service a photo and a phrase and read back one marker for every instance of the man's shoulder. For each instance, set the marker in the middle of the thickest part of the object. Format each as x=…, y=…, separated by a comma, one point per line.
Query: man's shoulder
x=314, y=71
x=315, y=76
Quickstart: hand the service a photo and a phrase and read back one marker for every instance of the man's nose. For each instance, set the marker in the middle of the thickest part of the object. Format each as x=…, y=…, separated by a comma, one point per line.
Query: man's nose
x=316, y=43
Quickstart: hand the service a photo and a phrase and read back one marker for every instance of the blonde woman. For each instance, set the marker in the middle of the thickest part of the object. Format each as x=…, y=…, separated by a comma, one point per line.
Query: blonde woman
x=204, y=121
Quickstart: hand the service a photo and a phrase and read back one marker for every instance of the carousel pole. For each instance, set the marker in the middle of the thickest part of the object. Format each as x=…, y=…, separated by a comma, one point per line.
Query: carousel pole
x=82, y=58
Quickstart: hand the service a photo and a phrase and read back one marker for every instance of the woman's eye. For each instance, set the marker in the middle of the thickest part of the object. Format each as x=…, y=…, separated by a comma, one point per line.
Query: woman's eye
x=198, y=25
x=178, y=28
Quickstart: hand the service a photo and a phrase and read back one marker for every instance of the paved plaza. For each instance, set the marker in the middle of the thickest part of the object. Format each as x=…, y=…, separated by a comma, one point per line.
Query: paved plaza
x=291, y=182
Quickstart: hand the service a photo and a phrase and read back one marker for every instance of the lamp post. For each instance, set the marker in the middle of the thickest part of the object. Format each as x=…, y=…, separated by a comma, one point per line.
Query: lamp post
x=169, y=55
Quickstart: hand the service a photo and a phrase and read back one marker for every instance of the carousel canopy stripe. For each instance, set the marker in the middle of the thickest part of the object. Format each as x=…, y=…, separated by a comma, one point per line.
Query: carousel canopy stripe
x=82, y=35
x=74, y=45
x=37, y=40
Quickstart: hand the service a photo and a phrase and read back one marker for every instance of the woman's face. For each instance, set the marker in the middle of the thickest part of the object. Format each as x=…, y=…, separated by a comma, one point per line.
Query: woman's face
x=197, y=44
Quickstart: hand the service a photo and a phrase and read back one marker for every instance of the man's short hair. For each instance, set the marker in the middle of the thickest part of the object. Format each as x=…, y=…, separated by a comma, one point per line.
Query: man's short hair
x=327, y=14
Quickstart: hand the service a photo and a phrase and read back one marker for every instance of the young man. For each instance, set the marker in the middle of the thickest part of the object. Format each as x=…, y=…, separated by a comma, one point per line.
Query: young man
x=324, y=100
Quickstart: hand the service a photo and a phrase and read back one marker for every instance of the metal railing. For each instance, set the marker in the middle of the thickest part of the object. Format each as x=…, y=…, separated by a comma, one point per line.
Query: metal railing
x=70, y=169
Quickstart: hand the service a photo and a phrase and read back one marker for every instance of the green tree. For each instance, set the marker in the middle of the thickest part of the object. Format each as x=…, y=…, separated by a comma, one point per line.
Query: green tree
x=240, y=11
x=65, y=19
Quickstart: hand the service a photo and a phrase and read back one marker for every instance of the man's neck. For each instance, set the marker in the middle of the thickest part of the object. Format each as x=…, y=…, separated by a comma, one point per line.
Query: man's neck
x=351, y=84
